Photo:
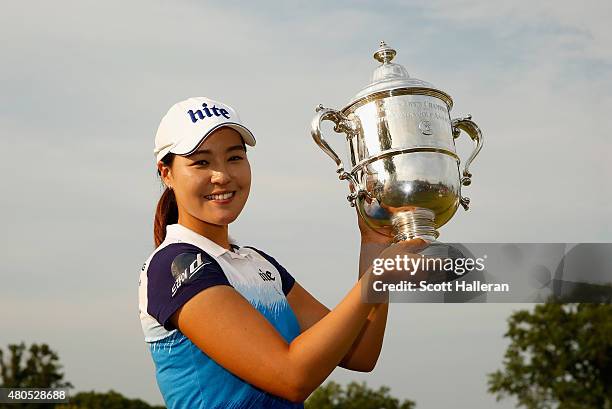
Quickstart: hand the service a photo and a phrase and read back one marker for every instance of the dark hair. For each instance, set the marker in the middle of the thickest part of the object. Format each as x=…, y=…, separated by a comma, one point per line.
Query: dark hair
x=167, y=210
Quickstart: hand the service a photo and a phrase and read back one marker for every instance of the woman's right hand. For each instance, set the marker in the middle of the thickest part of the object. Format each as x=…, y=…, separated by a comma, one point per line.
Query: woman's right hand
x=393, y=264
x=408, y=247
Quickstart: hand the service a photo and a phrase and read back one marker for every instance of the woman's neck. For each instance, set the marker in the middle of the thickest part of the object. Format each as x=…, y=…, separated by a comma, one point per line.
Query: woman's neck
x=213, y=232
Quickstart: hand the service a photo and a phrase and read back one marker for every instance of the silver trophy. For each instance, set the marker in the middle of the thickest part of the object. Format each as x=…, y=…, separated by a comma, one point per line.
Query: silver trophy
x=404, y=175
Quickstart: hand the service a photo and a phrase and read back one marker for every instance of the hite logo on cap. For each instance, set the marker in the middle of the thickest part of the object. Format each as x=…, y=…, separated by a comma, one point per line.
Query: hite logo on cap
x=189, y=122
x=184, y=267
x=207, y=111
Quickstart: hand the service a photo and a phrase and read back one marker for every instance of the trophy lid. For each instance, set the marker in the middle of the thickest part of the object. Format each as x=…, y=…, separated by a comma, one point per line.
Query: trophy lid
x=389, y=75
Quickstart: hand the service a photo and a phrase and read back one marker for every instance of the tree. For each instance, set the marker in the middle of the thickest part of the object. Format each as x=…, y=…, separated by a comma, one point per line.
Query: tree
x=108, y=400
x=41, y=369
x=560, y=356
x=354, y=396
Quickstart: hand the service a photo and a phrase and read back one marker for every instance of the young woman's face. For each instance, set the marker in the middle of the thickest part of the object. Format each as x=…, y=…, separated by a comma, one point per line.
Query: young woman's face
x=213, y=183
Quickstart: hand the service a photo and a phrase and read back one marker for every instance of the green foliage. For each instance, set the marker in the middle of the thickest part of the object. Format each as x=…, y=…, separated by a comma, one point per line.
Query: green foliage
x=108, y=400
x=560, y=356
x=354, y=396
x=40, y=370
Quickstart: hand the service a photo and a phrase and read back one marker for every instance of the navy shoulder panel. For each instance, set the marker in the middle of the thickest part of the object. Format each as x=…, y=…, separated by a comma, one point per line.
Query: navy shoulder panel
x=175, y=274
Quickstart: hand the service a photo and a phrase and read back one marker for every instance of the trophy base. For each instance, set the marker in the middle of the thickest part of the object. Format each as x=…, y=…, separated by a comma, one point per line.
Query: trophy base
x=413, y=224
x=419, y=224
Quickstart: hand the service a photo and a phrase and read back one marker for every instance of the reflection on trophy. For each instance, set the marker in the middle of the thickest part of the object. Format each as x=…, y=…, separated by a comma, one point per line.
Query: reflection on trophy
x=404, y=175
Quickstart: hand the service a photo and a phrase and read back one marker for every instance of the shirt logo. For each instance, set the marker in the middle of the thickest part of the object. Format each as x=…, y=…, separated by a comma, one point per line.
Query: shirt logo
x=184, y=267
x=209, y=112
x=267, y=276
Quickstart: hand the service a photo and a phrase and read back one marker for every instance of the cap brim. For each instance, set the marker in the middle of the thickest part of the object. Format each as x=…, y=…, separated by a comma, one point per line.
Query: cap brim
x=187, y=147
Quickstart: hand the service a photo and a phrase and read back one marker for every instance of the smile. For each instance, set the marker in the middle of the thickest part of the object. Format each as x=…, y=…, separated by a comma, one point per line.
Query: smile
x=222, y=196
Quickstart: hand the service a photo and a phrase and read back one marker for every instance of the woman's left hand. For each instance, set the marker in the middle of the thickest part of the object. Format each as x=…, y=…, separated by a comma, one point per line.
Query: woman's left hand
x=369, y=235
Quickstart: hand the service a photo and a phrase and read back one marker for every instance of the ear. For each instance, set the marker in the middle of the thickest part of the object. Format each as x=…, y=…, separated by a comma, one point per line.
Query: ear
x=165, y=173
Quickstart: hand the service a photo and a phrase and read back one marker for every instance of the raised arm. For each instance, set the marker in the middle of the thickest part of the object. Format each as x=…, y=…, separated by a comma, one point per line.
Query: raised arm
x=239, y=338
x=365, y=350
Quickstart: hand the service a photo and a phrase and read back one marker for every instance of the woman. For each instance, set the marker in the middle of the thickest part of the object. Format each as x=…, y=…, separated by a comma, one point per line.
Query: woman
x=227, y=326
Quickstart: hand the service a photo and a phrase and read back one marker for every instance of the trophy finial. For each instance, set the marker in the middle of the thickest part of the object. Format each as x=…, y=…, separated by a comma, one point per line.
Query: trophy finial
x=384, y=54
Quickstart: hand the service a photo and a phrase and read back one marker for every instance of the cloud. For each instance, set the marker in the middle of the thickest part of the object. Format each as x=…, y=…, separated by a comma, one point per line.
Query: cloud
x=565, y=30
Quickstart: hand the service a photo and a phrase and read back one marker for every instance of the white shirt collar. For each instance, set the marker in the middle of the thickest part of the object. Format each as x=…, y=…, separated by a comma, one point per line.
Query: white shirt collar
x=184, y=234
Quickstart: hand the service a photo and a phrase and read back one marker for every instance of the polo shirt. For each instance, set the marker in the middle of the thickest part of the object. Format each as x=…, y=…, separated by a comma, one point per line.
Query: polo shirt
x=184, y=264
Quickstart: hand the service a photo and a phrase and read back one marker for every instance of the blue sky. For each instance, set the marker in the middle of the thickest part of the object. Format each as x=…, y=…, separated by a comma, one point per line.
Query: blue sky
x=84, y=85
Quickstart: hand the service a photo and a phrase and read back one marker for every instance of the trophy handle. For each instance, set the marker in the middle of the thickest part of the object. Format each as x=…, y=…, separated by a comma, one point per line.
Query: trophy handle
x=341, y=124
x=468, y=126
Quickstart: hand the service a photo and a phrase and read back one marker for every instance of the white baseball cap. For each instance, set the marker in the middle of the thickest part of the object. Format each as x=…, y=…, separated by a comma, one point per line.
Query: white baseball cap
x=188, y=123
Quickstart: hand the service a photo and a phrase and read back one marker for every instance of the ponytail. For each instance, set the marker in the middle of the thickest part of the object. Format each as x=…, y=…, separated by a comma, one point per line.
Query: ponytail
x=167, y=210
